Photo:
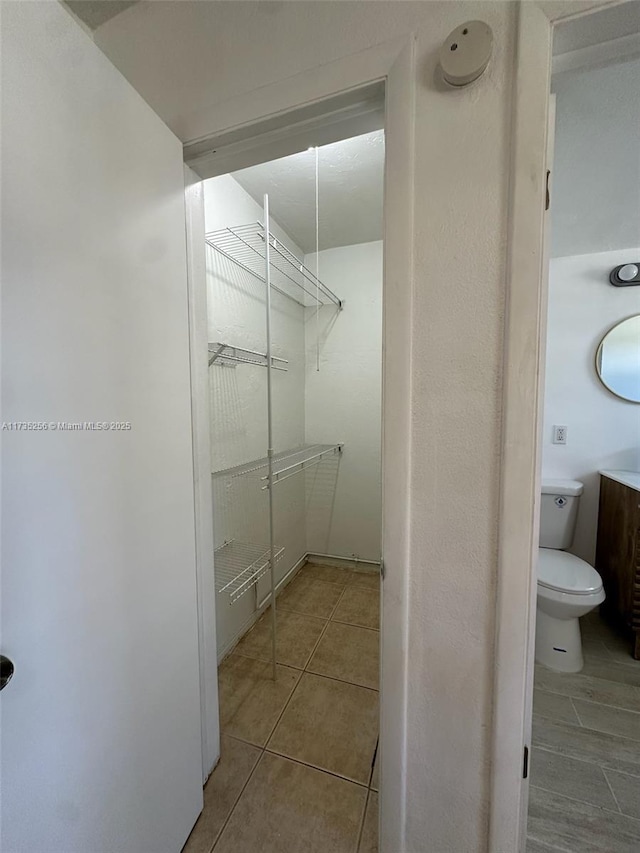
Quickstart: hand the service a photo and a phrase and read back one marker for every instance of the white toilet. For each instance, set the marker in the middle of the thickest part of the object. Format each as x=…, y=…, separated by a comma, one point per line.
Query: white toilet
x=567, y=586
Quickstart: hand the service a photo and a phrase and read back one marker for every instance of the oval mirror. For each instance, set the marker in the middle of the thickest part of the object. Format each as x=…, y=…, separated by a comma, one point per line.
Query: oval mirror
x=618, y=360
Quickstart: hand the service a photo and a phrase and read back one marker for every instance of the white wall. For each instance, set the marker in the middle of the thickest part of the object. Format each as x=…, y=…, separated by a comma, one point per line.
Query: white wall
x=101, y=735
x=343, y=403
x=596, y=160
x=603, y=430
x=236, y=309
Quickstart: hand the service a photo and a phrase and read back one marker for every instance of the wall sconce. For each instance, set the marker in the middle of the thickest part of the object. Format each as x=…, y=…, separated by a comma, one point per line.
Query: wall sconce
x=625, y=275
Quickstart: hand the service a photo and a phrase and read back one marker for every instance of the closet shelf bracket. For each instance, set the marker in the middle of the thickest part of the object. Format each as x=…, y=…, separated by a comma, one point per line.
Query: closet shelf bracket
x=227, y=355
x=298, y=462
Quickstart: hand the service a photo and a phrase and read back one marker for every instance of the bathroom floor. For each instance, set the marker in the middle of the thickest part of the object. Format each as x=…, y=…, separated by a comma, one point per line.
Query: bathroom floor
x=585, y=762
x=298, y=769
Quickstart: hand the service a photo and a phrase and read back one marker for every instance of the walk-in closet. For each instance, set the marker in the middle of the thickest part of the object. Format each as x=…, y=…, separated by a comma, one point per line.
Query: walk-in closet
x=294, y=302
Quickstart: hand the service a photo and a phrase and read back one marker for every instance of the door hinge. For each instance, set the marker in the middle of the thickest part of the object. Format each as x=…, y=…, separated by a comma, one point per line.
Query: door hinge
x=547, y=203
x=382, y=569
x=525, y=763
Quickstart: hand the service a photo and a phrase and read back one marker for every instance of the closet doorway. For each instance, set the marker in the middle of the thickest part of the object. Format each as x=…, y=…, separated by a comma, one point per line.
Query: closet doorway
x=294, y=272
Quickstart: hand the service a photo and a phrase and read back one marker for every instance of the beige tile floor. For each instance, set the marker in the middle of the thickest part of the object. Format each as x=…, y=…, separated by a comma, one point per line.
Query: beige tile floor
x=298, y=771
x=585, y=761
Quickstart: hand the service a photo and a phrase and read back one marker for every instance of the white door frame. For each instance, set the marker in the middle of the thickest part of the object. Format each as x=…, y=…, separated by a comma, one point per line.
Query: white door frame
x=523, y=388
x=392, y=63
x=200, y=431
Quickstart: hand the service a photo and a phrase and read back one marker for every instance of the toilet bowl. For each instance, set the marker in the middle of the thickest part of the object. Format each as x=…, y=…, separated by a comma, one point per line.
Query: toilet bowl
x=568, y=588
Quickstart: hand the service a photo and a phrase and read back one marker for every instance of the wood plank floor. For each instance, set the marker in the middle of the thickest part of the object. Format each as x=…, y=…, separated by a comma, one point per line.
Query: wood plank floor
x=585, y=762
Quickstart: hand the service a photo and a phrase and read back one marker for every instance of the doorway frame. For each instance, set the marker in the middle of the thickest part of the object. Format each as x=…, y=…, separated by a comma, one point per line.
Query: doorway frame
x=523, y=390
x=393, y=64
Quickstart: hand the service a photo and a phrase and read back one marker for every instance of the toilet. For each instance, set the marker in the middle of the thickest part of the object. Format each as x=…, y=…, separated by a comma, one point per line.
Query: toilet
x=568, y=587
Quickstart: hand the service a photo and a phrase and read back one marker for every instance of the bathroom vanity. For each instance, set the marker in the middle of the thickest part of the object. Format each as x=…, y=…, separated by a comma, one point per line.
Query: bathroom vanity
x=618, y=551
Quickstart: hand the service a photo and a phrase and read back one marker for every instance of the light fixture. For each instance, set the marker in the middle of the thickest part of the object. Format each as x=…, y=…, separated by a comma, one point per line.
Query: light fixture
x=625, y=275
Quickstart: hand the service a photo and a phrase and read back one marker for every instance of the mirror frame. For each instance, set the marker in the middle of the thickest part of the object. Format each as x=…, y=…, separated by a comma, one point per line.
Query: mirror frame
x=598, y=359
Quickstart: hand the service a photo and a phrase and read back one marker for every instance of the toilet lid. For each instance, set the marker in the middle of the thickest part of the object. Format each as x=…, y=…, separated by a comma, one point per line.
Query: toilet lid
x=567, y=573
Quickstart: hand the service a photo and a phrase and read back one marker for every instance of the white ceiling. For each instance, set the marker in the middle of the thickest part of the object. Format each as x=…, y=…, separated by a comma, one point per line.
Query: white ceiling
x=611, y=23
x=351, y=179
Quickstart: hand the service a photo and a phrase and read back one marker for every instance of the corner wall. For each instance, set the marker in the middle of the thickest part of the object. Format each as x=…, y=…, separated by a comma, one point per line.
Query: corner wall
x=603, y=430
x=343, y=402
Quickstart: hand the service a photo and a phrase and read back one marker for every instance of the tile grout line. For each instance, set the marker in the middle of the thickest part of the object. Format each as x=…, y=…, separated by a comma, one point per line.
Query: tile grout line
x=590, y=701
x=613, y=793
x=362, y=820
x=575, y=711
x=551, y=847
x=605, y=705
x=302, y=672
x=586, y=803
x=237, y=800
x=324, y=770
x=585, y=760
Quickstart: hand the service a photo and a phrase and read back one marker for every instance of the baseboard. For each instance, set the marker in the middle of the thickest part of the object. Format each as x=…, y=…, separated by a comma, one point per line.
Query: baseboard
x=344, y=562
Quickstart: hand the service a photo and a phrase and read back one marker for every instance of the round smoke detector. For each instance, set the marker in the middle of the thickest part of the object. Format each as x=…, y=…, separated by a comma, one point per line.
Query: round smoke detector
x=466, y=53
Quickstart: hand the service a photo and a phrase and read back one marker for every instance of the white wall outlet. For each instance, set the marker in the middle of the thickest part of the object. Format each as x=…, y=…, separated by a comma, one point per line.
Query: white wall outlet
x=559, y=435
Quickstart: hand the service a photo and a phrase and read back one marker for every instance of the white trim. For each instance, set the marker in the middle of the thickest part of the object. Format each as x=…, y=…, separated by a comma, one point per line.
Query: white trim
x=321, y=123
x=399, y=179
x=357, y=71
x=394, y=63
x=522, y=410
x=515, y=605
x=198, y=338
x=616, y=50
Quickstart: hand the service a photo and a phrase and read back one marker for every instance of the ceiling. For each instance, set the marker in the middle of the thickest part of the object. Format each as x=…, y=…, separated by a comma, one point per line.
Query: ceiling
x=611, y=23
x=96, y=12
x=351, y=181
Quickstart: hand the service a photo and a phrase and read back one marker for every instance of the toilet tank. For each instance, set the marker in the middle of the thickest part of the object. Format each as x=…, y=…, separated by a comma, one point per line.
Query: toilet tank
x=559, y=512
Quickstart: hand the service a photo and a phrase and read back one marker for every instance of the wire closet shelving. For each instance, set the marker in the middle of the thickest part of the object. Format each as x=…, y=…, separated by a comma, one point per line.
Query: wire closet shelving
x=245, y=245
x=285, y=464
x=228, y=356
x=238, y=566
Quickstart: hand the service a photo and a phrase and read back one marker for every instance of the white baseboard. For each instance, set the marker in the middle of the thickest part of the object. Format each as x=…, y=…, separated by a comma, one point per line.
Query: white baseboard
x=344, y=562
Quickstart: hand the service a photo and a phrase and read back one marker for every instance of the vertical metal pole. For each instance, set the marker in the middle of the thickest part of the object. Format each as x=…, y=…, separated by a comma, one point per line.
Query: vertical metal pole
x=272, y=564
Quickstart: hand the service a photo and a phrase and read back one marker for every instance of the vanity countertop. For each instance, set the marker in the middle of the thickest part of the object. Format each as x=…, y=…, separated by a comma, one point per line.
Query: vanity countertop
x=627, y=478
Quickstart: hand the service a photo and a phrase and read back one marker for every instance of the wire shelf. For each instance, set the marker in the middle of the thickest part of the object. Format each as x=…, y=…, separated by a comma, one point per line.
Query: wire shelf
x=228, y=356
x=287, y=463
x=238, y=566
x=245, y=246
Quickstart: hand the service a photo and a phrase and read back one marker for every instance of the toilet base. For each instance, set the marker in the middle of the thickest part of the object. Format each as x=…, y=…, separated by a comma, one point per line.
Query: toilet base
x=558, y=643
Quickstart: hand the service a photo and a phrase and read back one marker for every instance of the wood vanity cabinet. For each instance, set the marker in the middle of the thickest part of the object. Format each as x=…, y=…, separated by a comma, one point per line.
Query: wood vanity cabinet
x=618, y=556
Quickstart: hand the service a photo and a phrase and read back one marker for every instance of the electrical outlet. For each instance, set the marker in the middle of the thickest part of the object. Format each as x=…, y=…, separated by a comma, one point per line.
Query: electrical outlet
x=559, y=435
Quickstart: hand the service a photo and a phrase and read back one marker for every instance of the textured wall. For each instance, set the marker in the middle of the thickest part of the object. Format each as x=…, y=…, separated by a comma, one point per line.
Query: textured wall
x=596, y=194
x=604, y=431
